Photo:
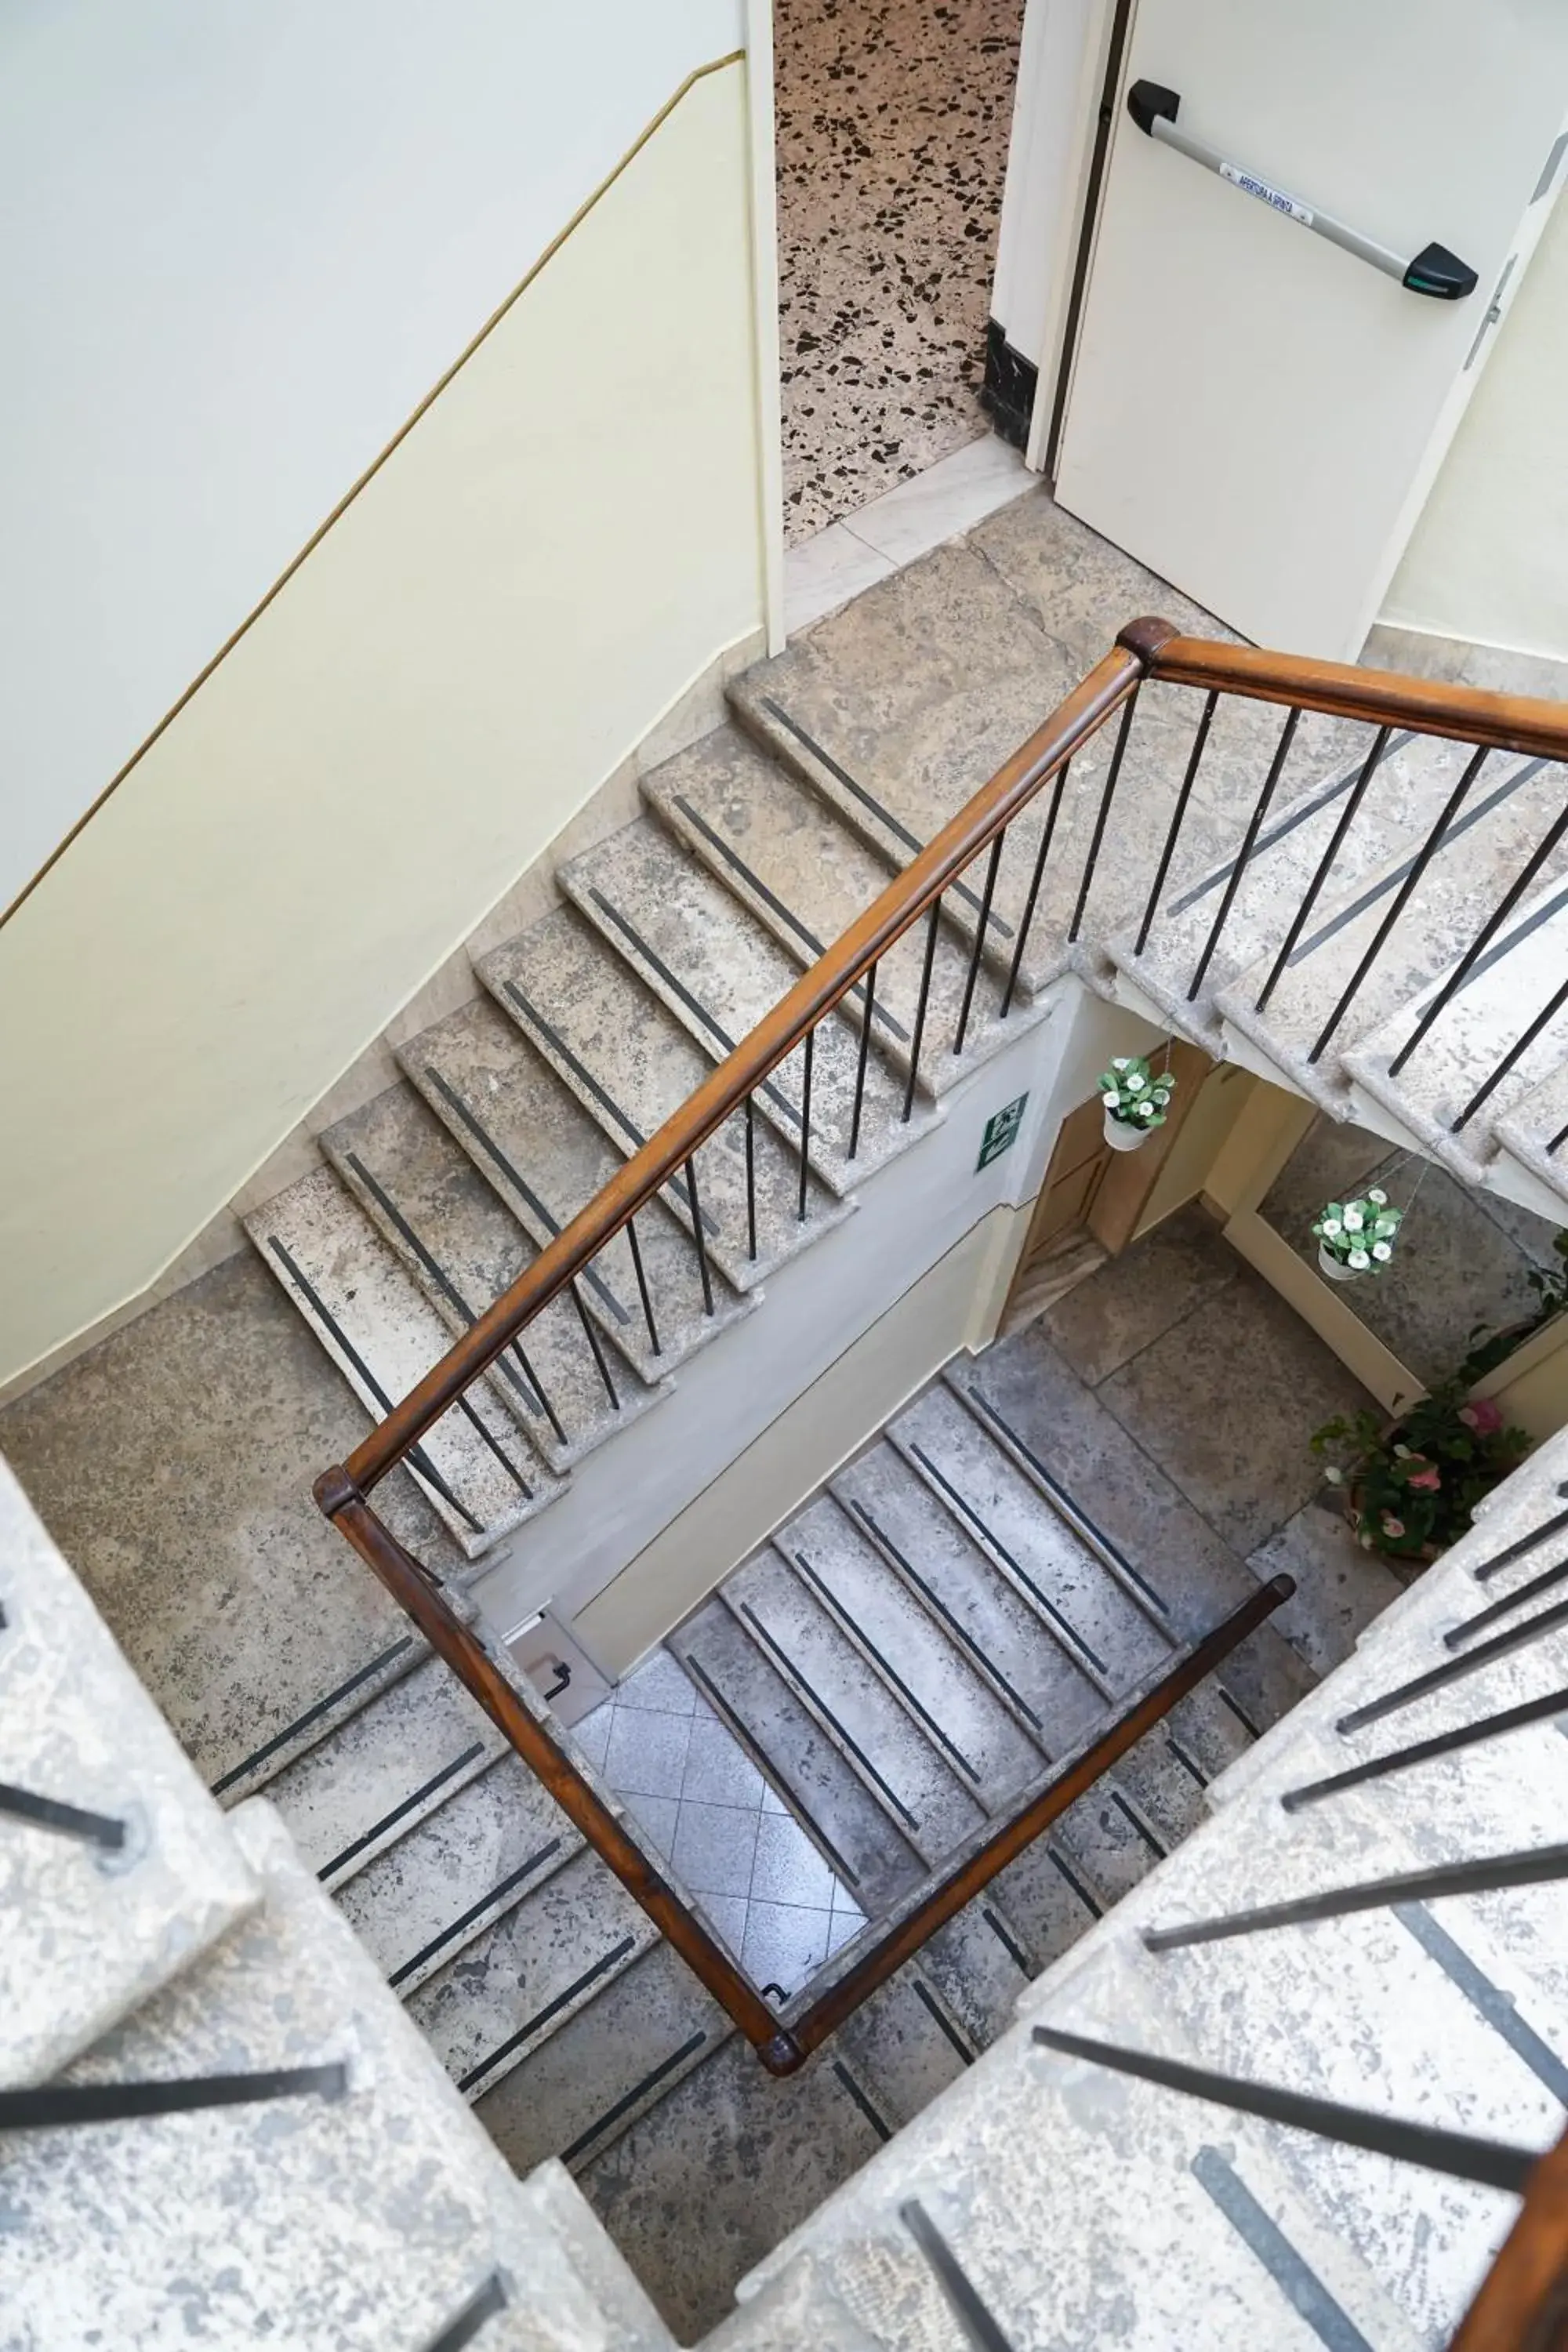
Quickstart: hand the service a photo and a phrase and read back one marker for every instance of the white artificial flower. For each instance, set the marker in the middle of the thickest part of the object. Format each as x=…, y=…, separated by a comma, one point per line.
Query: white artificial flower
x=1377, y=1194
x=1353, y=1221
x=1335, y=1478
x=1135, y=1084
x=1359, y=1259
x=1144, y=1109
x=1118, y=1061
x=1332, y=1228
x=1383, y=1252
x=1111, y=1101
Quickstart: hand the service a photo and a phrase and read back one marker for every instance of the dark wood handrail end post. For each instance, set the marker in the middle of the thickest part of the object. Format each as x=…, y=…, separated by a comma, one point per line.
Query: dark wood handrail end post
x=1146, y=637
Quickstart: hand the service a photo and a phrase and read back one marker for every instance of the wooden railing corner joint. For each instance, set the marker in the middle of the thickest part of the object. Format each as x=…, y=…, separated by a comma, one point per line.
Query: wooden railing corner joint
x=782, y=2056
x=1147, y=637
x=334, y=1490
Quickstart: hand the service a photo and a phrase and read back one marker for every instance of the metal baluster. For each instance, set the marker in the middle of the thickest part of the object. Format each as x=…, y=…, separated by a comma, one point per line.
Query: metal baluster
x=643, y=1292
x=867, y=1011
x=701, y=1240
x=751, y=1179
x=537, y=1385
x=53, y=2105
x=1098, y=836
x=1211, y=704
x=1471, y=1662
x=1370, y=766
x=1403, y=896
x=1479, y=946
x=975, y=2320
x=1045, y=850
x=1248, y=842
x=495, y=1447
x=1517, y=1549
x=1469, y=1627
x=595, y=1345
x=1514, y=1055
x=805, y=1124
x=1446, y=1743
x=1539, y=1866
x=933, y=921
x=987, y=894
x=65, y=1820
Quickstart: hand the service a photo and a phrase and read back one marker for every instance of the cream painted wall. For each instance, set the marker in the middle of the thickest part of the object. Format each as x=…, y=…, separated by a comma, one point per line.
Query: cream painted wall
x=566, y=538
x=1488, y=560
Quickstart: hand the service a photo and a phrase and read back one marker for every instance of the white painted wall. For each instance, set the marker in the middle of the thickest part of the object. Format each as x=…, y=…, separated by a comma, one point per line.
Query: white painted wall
x=242, y=244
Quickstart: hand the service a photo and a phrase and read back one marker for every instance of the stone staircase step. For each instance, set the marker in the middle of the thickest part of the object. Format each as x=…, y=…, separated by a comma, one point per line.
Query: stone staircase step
x=489, y=1848
x=1531, y=1140
x=1053, y=1426
x=92, y=1932
x=797, y=1757
x=719, y=971
x=1114, y=1638
x=919, y=1789
x=529, y=1972
x=1108, y=1841
x=904, y=2047
x=476, y=1464
x=781, y=849
x=1029, y=1666
x=606, y=2066
x=308, y=2220
x=901, y=1643
x=632, y=1065
x=979, y=1963
x=1162, y=1785
x=464, y=1247
x=1047, y=1895
x=374, y=1777
x=1514, y=985
x=530, y=1137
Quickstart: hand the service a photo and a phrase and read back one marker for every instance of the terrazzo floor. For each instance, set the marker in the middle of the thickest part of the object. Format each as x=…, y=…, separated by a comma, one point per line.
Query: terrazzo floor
x=893, y=120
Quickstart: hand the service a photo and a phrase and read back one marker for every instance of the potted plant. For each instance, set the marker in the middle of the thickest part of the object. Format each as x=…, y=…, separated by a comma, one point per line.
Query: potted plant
x=1135, y=1101
x=1409, y=1486
x=1356, y=1237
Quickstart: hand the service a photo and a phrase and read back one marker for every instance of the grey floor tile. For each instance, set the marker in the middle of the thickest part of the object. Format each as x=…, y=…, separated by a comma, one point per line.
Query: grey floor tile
x=729, y=1914
x=657, y=1685
x=714, y=1848
x=718, y=1770
x=658, y=1816
x=786, y=1942
x=1339, y=1588
x=786, y=1866
x=1135, y=1298
x=647, y=1753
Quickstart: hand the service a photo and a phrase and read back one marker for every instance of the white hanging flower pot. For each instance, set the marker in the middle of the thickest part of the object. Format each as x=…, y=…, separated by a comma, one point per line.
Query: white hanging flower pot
x=1356, y=1237
x=1122, y=1137
x=1135, y=1100
x=1335, y=1268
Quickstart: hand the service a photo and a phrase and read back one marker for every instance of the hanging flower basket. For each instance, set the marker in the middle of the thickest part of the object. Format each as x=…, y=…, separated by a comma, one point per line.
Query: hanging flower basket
x=1135, y=1101
x=1356, y=1237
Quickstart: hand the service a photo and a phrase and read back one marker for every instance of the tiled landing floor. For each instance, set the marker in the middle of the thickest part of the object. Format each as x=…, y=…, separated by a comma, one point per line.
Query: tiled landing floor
x=710, y=1813
x=893, y=120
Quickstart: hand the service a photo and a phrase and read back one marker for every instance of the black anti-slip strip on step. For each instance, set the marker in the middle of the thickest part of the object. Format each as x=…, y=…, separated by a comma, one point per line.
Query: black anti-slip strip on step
x=400, y=1812
x=607, y=1960
x=941, y=2021
x=61, y=1819
x=883, y=2130
x=490, y=2300
x=525, y=1191
x=857, y=1632
x=736, y=1724
x=1489, y=2001
x=935, y=1603
x=1140, y=1828
x=1230, y=1700
x=1066, y=1872
x=1281, y=831
x=269, y=1749
x=56, y=2105
x=975, y=2318
x=1048, y=1607
x=753, y=881
x=1007, y=1940
x=869, y=800
x=792, y=1674
x=475, y=1910
x=650, y=2082
x=1071, y=1509
x=1299, y=2285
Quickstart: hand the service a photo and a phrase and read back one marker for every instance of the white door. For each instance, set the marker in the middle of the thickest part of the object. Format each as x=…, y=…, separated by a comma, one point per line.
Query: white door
x=1256, y=409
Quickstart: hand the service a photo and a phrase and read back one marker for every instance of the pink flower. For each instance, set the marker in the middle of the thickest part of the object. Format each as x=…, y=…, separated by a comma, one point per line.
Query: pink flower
x=1428, y=1479
x=1391, y=1526
x=1484, y=1417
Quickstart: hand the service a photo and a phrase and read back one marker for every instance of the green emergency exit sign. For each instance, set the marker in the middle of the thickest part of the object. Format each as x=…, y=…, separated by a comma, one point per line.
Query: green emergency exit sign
x=1001, y=1131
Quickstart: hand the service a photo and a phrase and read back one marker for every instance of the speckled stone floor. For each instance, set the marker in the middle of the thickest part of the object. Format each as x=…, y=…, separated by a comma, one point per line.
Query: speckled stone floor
x=893, y=120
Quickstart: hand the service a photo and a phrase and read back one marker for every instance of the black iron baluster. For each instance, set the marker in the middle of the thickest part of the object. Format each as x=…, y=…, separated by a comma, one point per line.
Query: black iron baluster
x=56, y=2104
x=1370, y=766
x=1517, y=1549
x=1470, y=1662
x=1248, y=842
x=986, y=895
x=1467, y=1630
x=1422, y=1751
x=1102, y=816
x=597, y=1345
x=1043, y=852
x=537, y=1385
x=65, y=1820
x=915, y=1043
x=969, y=2307
x=471, y=1414
x=750, y=1180
x=1488, y=2161
x=643, y=1292
x=1480, y=945
x=1402, y=897
x=1515, y=1053
x=1541, y=1867
x=867, y=1011
x=809, y=1043
x=1194, y=759
x=702, y=1239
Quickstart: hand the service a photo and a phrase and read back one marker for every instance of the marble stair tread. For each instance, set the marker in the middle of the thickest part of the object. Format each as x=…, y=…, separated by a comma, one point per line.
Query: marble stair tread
x=464, y=1247
x=1000, y=1634
x=376, y=1776
x=1108, y=1841
x=719, y=971
x=476, y=1464
x=1504, y=997
x=1161, y=1784
x=1030, y=1400
x=922, y=1793
x=1534, y=1130
x=489, y=1848
x=926, y=1671
x=979, y=1963
x=1510, y=811
x=904, y=2047
x=1115, y=1640
x=1048, y=1896
x=1407, y=793
x=781, y=849
x=872, y=1857
x=91, y=1932
x=532, y=1138
x=633, y=1065
x=306, y=2220
x=590, y=2081
x=530, y=1972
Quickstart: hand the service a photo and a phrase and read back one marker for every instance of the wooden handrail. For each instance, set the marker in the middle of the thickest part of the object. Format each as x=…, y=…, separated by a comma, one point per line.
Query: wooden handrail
x=1521, y=2304
x=1511, y=722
